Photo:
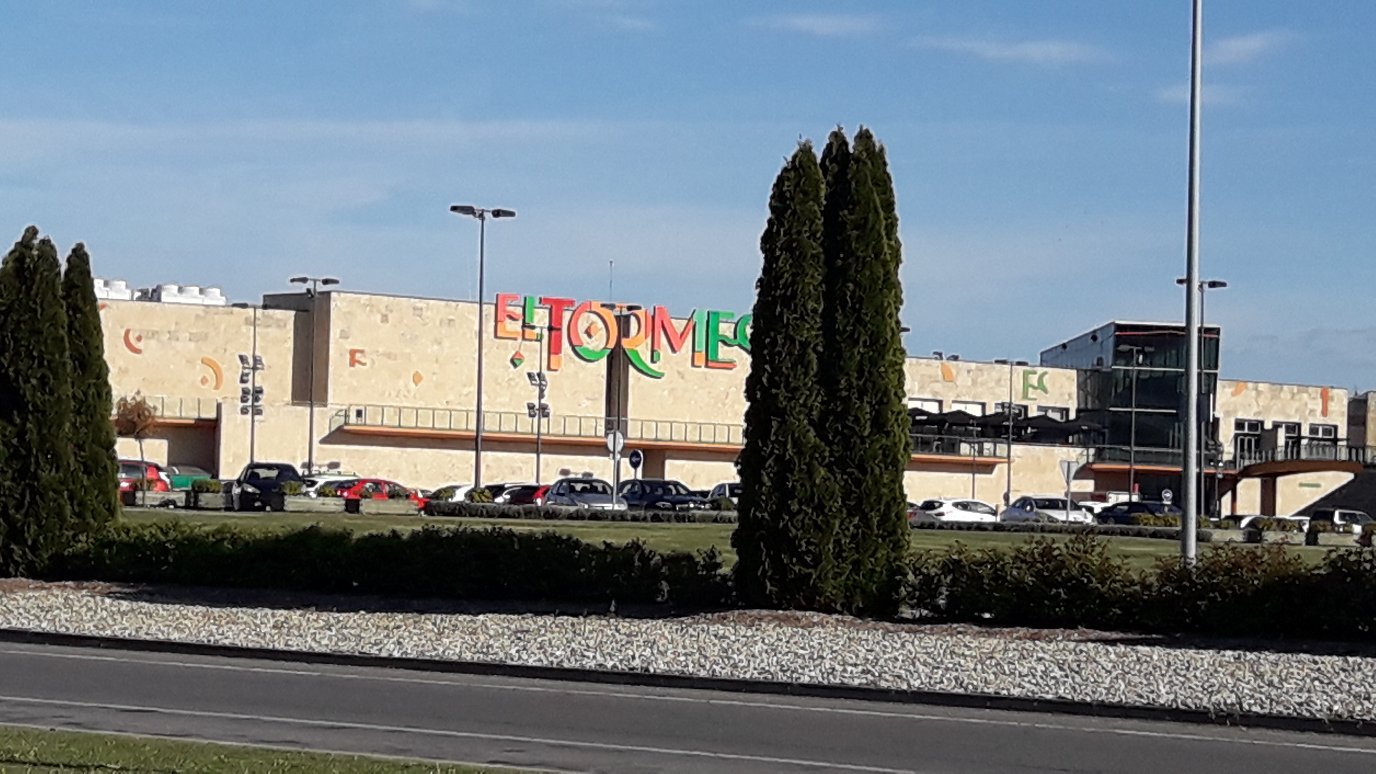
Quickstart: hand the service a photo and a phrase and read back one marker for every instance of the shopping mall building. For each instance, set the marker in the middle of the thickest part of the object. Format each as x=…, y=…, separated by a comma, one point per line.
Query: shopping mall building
x=388, y=386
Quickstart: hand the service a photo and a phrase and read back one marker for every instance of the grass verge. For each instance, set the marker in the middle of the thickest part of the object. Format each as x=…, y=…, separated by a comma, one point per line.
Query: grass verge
x=31, y=749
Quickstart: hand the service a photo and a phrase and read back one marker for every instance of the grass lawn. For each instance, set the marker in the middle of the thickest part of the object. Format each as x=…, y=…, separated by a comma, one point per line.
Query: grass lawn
x=26, y=749
x=1139, y=552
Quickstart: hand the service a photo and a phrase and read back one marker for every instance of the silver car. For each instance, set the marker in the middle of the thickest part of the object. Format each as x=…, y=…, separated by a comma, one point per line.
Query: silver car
x=1046, y=508
x=584, y=493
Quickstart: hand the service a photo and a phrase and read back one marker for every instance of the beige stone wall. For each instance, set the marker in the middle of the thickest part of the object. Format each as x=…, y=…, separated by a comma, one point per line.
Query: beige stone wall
x=988, y=383
x=1292, y=494
x=1036, y=470
x=1279, y=402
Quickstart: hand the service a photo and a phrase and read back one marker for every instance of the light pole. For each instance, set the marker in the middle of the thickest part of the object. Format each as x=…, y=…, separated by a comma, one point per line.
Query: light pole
x=1204, y=286
x=539, y=410
x=1188, y=547
x=1136, y=353
x=313, y=293
x=620, y=359
x=252, y=368
x=481, y=214
x=1008, y=453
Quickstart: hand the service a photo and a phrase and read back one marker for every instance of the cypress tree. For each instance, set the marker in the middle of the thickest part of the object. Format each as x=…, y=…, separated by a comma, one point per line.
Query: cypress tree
x=95, y=494
x=35, y=407
x=886, y=540
x=865, y=427
x=786, y=534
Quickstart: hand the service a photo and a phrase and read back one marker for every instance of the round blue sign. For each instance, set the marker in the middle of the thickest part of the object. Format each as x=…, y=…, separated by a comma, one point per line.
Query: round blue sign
x=635, y=458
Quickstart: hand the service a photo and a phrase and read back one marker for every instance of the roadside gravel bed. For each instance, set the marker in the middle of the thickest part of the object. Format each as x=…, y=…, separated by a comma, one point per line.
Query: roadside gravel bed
x=790, y=648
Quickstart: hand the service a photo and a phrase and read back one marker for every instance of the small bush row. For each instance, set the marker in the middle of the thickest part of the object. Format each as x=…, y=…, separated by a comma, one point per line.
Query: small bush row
x=1233, y=590
x=1051, y=528
x=458, y=563
x=1162, y=520
x=560, y=513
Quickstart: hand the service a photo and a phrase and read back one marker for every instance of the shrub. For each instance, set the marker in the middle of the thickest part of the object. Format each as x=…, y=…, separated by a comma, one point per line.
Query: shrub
x=207, y=486
x=1056, y=528
x=722, y=504
x=290, y=488
x=479, y=564
x=1163, y=520
x=327, y=491
x=1268, y=524
x=478, y=495
x=1230, y=590
x=396, y=492
x=561, y=513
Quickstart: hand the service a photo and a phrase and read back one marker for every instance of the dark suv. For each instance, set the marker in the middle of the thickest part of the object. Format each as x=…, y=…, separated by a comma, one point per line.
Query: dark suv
x=259, y=486
x=1127, y=513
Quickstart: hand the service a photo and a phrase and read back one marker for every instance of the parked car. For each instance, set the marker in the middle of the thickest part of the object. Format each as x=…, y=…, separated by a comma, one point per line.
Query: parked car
x=584, y=493
x=952, y=510
x=1046, y=508
x=312, y=484
x=132, y=471
x=1342, y=519
x=730, y=490
x=377, y=489
x=181, y=477
x=538, y=497
x=659, y=494
x=259, y=485
x=1127, y=513
x=457, y=493
x=518, y=494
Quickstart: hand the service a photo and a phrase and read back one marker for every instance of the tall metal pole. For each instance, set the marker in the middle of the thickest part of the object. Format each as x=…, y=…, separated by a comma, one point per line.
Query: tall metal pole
x=1188, y=549
x=253, y=395
x=1008, y=462
x=1132, y=433
x=540, y=408
x=310, y=375
x=478, y=423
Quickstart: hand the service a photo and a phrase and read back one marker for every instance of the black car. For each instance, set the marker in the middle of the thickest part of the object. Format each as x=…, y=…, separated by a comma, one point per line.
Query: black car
x=1127, y=513
x=658, y=494
x=260, y=484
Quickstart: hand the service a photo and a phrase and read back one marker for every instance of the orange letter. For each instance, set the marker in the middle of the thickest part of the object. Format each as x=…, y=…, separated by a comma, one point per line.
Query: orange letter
x=505, y=315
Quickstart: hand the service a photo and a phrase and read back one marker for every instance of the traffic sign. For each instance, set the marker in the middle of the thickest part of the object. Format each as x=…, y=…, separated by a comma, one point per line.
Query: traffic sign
x=615, y=442
x=635, y=458
x=1166, y=496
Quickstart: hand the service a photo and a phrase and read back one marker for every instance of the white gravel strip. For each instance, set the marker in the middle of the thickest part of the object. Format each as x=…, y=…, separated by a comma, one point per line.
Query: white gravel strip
x=825, y=651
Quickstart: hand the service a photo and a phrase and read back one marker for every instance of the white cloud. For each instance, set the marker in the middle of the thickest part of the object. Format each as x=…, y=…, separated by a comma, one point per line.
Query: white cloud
x=1242, y=49
x=1217, y=96
x=1038, y=52
x=824, y=25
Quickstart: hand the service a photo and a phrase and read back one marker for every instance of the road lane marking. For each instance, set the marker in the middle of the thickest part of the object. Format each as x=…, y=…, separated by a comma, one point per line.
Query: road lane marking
x=458, y=681
x=344, y=724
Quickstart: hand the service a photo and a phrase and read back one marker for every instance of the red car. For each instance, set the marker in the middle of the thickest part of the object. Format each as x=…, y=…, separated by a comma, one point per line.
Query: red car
x=377, y=489
x=130, y=471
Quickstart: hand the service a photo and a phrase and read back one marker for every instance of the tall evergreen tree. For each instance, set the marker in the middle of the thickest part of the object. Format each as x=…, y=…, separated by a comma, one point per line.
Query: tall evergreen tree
x=788, y=503
x=95, y=493
x=865, y=427
x=35, y=407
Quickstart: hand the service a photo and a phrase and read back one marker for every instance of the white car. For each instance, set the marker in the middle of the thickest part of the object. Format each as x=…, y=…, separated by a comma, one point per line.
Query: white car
x=731, y=491
x=1046, y=508
x=953, y=510
x=313, y=484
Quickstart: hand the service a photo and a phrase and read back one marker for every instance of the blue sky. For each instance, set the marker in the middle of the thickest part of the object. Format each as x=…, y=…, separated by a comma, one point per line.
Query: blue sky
x=1038, y=150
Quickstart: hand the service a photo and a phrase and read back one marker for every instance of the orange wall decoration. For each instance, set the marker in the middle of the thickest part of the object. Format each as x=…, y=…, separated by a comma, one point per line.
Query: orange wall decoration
x=357, y=357
x=215, y=379
x=1239, y=388
x=132, y=341
x=948, y=374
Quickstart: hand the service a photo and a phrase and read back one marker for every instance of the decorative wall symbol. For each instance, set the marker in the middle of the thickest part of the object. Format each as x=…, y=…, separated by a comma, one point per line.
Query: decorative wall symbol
x=1323, y=396
x=357, y=357
x=102, y=306
x=132, y=341
x=417, y=377
x=216, y=378
x=1239, y=388
x=948, y=374
x=1033, y=381
x=517, y=359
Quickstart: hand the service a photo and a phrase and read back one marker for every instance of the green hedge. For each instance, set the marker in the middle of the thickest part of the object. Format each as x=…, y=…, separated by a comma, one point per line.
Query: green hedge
x=1233, y=590
x=560, y=513
x=458, y=563
x=1051, y=528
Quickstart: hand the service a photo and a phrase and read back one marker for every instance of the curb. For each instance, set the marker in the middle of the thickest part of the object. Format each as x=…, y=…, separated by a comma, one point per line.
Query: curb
x=726, y=685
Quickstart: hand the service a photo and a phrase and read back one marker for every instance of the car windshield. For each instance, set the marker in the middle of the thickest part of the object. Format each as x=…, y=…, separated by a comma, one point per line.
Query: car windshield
x=733, y=490
x=268, y=473
x=590, y=486
x=930, y=505
x=130, y=469
x=1050, y=504
x=521, y=491
x=190, y=470
x=660, y=488
x=1358, y=517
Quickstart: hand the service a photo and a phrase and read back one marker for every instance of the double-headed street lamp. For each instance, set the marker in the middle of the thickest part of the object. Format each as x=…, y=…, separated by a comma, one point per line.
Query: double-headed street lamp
x=313, y=293
x=481, y=214
x=1008, y=407
x=538, y=410
x=1203, y=288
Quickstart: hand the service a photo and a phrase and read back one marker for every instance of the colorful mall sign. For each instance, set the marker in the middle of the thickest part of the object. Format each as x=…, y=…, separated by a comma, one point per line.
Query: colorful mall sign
x=593, y=329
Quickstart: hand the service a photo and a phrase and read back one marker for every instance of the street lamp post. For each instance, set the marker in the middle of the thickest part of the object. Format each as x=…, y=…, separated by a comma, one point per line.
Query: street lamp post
x=1188, y=547
x=1203, y=287
x=1008, y=453
x=481, y=214
x=313, y=293
x=539, y=410
x=253, y=367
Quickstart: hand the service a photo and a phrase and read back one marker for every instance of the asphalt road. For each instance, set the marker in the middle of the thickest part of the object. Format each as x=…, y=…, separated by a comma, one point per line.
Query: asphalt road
x=566, y=726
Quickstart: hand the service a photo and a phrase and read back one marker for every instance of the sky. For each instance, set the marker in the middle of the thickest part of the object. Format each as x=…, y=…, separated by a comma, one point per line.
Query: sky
x=1039, y=151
